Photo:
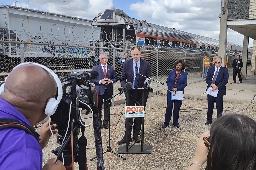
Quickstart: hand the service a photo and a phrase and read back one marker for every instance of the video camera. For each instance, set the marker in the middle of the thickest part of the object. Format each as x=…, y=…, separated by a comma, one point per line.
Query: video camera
x=78, y=93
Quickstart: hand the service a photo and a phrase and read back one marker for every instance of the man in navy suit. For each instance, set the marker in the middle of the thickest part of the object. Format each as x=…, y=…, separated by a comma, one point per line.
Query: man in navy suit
x=104, y=87
x=217, y=78
x=135, y=71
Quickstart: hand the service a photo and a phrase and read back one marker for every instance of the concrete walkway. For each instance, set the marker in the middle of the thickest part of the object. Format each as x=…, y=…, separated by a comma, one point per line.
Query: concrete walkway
x=235, y=91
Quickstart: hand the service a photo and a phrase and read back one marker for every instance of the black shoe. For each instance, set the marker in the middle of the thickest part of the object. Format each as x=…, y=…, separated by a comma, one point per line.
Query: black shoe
x=136, y=139
x=219, y=115
x=164, y=125
x=105, y=124
x=123, y=141
x=177, y=126
x=208, y=122
x=241, y=82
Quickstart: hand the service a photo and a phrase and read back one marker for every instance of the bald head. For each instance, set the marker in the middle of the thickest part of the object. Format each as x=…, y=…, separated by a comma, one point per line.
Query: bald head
x=28, y=88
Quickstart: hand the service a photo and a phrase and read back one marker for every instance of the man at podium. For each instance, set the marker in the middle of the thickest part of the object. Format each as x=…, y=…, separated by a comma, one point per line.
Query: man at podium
x=135, y=71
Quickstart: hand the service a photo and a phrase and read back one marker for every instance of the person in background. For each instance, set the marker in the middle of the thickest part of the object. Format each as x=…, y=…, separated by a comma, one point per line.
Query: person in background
x=207, y=65
x=237, y=65
x=104, y=86
x=135, y=71
x=217, y=78
x=229, y=145
x=26, y=93
x=176, y=81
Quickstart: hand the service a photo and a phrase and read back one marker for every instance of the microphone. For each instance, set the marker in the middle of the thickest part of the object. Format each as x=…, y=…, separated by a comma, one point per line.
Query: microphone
x=147, y=83
x=127, y=86
x=92, y=74
x=151, y=79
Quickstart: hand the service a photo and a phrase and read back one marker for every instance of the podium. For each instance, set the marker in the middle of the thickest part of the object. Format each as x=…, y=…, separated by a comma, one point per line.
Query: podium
x=136, y=149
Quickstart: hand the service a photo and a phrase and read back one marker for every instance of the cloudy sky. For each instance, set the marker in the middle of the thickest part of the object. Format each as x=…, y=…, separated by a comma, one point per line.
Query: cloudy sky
x=193, y=16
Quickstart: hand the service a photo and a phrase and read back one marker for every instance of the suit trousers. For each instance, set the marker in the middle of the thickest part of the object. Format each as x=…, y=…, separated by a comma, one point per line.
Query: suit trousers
x=107, y=103
x=170, y=110
x=133, y=124
x=219, y=106
x=237, y=71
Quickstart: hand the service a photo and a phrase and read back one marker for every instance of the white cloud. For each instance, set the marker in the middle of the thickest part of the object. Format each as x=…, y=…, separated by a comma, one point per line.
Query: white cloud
x=194, y=16
x=87, y=9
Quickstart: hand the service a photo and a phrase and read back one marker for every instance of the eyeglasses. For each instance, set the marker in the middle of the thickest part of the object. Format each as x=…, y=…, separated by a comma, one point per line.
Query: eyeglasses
x=217, y=62
x=206, y=142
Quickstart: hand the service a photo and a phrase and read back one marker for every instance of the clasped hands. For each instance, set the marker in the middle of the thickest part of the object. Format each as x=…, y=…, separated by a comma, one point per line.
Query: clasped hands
x=174, y=90
x=105, y=81
x=214, y=87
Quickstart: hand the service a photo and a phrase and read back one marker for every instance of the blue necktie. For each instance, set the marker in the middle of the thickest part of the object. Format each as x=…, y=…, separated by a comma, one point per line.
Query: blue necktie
x=136, y=80
x=215, y=76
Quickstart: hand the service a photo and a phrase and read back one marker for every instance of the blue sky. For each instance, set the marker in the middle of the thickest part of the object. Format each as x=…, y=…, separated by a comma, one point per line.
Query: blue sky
x=191, y=16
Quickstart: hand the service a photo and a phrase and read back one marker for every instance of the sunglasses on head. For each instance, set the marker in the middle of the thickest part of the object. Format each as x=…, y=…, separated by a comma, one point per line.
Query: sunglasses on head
x=217, y=62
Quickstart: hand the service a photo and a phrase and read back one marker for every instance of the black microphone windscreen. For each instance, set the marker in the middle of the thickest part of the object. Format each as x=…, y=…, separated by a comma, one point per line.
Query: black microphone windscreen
x=94, y=74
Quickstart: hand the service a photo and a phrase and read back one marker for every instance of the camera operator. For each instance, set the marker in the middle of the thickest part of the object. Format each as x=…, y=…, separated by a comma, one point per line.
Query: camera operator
x=104, y=86
x=24, y=98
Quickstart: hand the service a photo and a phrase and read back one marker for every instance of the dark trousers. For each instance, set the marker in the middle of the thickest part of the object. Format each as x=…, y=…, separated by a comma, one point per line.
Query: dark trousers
x=170, y=110
x=107, y=103
x=237, y=71
x=134, y=98
x=219, y=106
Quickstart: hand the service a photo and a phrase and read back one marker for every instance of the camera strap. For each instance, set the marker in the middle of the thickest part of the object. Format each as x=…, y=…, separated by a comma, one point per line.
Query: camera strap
x=12, y=123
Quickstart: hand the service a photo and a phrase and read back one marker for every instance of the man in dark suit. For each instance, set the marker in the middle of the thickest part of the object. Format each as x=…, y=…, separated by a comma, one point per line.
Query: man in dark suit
x=217, y=78
x=135, y=71
x=237, y=65
x=104, y=87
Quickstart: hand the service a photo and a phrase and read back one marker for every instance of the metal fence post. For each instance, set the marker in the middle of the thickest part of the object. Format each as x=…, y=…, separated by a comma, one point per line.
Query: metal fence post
x=22, y=59
x=157, y=67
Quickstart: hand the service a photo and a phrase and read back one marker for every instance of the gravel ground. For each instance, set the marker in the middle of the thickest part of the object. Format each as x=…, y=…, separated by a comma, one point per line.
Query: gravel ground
x=172, y=149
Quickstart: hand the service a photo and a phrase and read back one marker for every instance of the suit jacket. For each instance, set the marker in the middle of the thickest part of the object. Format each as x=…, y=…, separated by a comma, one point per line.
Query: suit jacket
x=128, y=75
x=235, y=64
x=182, y=81
x=221, y=81
x=111, y=74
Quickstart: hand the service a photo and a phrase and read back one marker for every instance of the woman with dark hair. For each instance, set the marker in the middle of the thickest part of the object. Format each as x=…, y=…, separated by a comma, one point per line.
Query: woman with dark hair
x=176, y=82
x=230, y=145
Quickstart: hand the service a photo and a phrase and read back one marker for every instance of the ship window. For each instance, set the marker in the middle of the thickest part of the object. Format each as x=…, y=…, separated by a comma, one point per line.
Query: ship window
x=108, y=14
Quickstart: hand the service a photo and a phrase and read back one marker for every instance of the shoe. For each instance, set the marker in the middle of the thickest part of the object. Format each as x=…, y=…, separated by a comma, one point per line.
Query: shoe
x=123, y=141
x=136, y=139
x=219, y=115
x=105, y=124
x=241, y=82
x=164, y=125
x=208, y=122
x=177, y=126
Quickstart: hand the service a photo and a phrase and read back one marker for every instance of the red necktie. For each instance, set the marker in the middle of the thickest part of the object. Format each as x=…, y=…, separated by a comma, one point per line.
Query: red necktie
x=105, y=72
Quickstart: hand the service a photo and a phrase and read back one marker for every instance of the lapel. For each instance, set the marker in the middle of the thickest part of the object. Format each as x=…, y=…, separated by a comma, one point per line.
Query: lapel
x=130, y=65
x=101, y=71
x=141, y=66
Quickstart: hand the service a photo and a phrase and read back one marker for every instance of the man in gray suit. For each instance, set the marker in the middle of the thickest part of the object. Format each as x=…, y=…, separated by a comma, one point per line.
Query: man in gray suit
x=104, y=86
x=135, y=71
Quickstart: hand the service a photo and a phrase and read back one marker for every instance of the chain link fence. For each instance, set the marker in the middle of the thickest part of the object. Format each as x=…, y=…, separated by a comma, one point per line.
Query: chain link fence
x=64, y=59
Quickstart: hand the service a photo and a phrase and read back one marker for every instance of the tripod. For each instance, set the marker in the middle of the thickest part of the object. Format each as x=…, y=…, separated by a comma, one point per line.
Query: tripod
x=109, y=149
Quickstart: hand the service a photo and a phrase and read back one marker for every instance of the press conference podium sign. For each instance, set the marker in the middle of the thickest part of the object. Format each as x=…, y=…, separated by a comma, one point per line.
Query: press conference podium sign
x=134, y=111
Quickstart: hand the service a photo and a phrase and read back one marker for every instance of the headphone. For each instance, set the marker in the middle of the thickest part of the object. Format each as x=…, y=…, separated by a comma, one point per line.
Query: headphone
x=52, y=104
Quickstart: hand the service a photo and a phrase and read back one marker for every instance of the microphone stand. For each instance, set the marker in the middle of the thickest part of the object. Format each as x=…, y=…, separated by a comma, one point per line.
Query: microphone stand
x=109, y=149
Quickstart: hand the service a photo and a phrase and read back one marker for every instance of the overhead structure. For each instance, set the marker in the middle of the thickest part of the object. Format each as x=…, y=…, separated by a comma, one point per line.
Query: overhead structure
x=115, y=24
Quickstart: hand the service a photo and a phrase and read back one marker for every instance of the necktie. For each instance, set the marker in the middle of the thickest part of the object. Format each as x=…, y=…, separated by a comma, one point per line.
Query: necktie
x=105, y=72
x=136, y=80
x=215, y=76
